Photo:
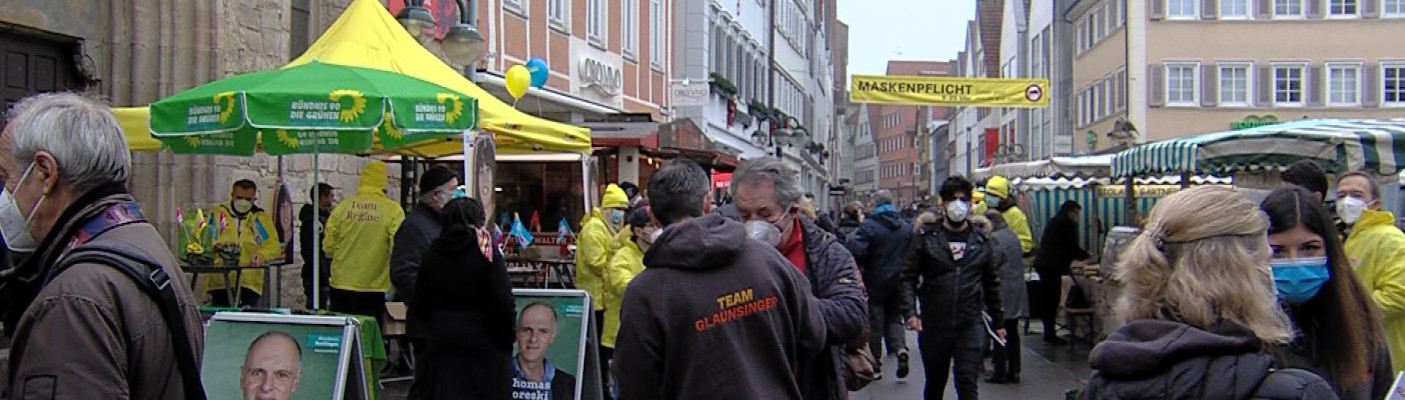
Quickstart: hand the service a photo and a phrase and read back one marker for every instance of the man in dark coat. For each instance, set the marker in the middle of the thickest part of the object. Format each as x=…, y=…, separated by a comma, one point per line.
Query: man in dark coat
x=412, y=241
x=879, y=246
x=1059, y=248
x=949, y=270
x=321, y=208
x=715, y=315
x=766, y=191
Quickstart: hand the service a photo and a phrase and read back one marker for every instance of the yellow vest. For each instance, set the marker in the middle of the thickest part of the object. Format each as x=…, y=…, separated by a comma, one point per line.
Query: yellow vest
x=256, y=233
x=1377, y=252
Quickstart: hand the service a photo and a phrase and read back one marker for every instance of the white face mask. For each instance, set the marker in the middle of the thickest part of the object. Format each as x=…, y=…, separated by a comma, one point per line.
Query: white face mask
x=1350, y=209
x=242, y=206
x=763, y=231
x=14, y=225
x=654, y=236
x=956, y=211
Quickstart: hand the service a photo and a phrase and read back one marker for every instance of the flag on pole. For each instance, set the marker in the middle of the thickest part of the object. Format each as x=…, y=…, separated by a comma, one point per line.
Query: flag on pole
x=536, y=223
x=563, y=230
x=524, y=237
x=261, y=232
x=180, y=217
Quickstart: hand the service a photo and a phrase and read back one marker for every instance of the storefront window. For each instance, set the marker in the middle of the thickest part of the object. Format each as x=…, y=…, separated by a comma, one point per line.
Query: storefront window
x=551, y=191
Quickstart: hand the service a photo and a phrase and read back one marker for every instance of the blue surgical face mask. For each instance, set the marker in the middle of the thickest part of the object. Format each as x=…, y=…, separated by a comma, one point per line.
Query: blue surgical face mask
x=1299, y=279
x=992, y=202
x=616, y=217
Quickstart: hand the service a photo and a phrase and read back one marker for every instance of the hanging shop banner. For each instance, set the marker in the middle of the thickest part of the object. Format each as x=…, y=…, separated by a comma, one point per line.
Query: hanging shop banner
x=949, y=91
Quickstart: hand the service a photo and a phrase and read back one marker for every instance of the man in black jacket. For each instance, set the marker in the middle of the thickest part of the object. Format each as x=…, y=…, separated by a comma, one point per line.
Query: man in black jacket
x=322, y=208
x=412, y=241
x=715, y=315
x=1058, y=251
x=949, y=270
x=879, y=246
x=767, y=192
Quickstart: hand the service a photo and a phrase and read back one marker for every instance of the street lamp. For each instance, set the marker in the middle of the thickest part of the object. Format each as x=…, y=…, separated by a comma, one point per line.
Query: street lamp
x=415, y=18
x=782, y=134
x=463, y=44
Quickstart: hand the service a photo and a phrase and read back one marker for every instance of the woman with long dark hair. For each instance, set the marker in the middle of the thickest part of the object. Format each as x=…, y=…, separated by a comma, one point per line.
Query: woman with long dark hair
x=1340, y=336
x=464, y=291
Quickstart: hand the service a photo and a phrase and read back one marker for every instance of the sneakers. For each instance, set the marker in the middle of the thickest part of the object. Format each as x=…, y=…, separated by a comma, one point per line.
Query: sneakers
x=902, y=364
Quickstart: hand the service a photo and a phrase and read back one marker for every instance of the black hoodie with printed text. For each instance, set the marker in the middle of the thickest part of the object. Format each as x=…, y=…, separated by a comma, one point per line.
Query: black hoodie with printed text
x=715, y=315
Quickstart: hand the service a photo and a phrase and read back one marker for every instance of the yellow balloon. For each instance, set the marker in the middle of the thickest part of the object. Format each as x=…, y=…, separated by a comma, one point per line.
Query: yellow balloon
x=518, y=80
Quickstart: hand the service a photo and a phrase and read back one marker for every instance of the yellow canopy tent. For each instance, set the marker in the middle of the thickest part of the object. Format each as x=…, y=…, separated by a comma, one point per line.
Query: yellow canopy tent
x=367, y=36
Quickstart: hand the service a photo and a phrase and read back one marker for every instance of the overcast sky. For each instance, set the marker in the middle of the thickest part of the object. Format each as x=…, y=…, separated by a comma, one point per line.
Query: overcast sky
x=881, y=30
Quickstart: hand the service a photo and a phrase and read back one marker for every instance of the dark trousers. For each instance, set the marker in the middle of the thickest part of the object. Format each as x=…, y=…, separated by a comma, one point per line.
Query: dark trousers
x=423, y=386
x=885, y=322
x=1051, y=289
x=247, y=298
x=370, y=304
x=324, y=279
x=1007, y=357
x=605, y=352
x=942, y=349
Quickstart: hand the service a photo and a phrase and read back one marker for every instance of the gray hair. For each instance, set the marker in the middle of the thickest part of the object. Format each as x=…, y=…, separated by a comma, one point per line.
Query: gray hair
x=769, y=169
x=882, y=196
x=81, y=133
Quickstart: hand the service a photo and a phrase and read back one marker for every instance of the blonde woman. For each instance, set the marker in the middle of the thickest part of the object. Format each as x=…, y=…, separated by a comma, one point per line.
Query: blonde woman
x=1200, y=306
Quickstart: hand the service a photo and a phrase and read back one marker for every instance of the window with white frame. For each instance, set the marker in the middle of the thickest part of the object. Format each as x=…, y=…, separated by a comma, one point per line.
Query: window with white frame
x=1082, y=39
x=1183, y=9
x=1343, y=84
x=629, y=38
x=1099, y=25
x=1181, y=84
x=1122, y=90
x=1288, y=8
x=1234, y=85
x=595, y=22
x=1393, y=84
x=1111, y=11
x=557, y=13
x=1288, y=83
x=1393, y=8
x=1344, y=8
x=1234, y=9
x=656, y=44
x=518, y=7
x=1099, y=101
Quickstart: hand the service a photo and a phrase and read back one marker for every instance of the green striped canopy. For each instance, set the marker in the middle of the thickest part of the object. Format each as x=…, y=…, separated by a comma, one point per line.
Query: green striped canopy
x=1337, y=144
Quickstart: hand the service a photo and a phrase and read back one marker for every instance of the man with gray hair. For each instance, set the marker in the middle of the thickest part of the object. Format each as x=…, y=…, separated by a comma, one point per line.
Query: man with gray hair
x=711, y=298
x=88, y=329
x=768, y=200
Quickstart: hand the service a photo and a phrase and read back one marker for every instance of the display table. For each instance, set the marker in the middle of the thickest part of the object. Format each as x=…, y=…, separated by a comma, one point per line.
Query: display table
x=195, y=270
x=541, y=272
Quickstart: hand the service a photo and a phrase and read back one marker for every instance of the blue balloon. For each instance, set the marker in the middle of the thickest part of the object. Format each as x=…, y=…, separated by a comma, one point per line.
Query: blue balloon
x=539, y=70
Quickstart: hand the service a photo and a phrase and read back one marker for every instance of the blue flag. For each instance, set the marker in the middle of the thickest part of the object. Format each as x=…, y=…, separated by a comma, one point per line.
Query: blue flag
x=563, y=230
x=520, y=231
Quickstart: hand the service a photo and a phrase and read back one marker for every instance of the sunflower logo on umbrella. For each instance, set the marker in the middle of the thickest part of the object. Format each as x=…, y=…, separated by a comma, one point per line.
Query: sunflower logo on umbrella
x=455, y=107
x=227, y=107
x=285, y=138
x=358, y=103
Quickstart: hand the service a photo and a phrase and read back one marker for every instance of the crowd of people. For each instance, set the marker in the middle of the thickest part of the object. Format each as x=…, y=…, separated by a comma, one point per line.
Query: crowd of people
x=761, y=299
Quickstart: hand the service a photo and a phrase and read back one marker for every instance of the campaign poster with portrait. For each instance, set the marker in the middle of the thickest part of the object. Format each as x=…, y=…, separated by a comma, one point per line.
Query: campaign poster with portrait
x=550, y=355
x=256, y=355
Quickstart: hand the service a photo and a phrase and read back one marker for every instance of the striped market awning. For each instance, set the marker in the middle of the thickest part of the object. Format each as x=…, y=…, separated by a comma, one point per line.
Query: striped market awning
x=1339, y=145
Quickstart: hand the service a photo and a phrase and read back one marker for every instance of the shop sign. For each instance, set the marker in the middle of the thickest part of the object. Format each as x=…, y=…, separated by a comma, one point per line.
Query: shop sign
x=691, y=94
x=1141, y=190
x=605, y=78
x=1063, y=144
x=1254, y=121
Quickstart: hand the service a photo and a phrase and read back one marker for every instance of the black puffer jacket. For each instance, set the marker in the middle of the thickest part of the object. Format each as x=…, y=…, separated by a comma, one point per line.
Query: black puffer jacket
x=879, y=246
x=1152, y=359
x=835, y=282
x=952, y=291
x=412, y=242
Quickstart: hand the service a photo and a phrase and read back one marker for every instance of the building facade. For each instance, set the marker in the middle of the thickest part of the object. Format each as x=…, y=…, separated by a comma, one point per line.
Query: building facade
x=859, y=135
x=899, y=132
x=1164, y=65
x=975, y=131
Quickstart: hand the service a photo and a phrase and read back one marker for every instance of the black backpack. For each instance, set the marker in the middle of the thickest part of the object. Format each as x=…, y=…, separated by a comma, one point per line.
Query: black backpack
x=148, y=274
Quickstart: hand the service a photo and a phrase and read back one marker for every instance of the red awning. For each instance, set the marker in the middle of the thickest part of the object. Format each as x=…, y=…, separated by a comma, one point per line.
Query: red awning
x=721, y=180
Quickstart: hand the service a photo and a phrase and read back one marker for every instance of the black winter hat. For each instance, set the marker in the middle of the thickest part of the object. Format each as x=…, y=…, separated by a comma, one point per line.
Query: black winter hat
x=436, y=177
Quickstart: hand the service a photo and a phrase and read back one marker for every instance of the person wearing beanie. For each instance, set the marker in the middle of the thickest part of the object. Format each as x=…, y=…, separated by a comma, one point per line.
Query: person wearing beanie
x=412, y=241
x=594, y=247
x=998, y=198
x=359, y=234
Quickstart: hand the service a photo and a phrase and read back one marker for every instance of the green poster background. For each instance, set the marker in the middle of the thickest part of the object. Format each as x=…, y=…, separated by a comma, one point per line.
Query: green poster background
x=227, y=342
x=565, y=351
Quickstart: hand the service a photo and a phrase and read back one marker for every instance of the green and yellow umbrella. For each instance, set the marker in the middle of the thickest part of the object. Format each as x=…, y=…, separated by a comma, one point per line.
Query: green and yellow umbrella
x=311, y=108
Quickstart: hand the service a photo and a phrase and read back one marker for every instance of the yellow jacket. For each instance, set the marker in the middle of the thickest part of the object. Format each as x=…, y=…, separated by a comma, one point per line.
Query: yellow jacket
x=593, y=247
x=360, y=234
x=1020, y=224
x=251, y=240
x=1377, y=252
x=626, y=263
